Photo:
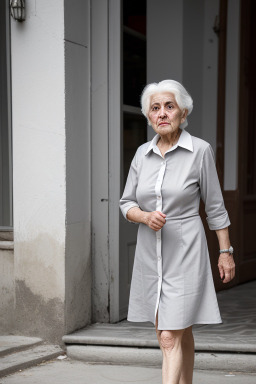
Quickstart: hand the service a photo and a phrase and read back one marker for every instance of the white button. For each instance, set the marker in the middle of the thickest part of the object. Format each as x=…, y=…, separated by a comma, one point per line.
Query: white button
x=159, y=257
x=159, y=197
x=159, y=276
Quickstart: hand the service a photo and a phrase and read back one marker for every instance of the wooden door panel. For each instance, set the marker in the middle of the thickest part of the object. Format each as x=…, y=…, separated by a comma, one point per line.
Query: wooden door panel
x=247, y=142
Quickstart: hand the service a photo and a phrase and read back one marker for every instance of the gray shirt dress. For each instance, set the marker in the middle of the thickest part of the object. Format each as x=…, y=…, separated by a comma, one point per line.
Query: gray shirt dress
x=172, y=271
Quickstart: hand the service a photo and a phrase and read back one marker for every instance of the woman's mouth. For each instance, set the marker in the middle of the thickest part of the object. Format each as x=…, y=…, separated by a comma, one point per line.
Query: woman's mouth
x=164, y=123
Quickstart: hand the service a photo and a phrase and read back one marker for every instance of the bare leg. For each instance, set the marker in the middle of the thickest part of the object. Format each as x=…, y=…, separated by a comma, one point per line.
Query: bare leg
x=170, y=344
x=158, y=333
x=188, y=352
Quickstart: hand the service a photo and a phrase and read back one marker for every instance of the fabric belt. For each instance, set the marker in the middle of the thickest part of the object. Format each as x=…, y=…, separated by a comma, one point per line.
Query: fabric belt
x=181, y=217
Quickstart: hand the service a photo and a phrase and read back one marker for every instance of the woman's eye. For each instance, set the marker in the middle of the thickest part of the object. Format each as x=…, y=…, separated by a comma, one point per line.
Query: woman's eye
x=170, y=106
x=155, y=108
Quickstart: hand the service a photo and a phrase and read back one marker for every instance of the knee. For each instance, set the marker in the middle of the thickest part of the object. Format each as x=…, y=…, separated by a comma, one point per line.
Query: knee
x=169, y=340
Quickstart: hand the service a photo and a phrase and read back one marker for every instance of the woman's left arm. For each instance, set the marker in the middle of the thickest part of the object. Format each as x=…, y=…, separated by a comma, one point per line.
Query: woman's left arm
x=226, y=262
x=217, y=215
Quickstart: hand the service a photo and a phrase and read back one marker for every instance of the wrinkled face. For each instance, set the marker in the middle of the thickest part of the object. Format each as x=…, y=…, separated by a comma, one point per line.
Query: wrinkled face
x=164, y=114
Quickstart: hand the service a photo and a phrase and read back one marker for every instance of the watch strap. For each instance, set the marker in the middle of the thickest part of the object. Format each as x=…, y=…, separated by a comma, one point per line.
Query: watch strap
x=229, y=250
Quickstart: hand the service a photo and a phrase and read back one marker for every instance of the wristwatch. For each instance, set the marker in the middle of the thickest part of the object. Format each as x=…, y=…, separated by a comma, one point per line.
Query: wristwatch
x=229, y=250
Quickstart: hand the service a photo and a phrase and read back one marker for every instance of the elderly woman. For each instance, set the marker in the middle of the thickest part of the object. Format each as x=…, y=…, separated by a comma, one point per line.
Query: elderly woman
x=172, y=284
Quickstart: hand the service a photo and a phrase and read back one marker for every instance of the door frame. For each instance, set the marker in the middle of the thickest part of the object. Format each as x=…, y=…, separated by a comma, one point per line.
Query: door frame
x=105, y=158
x=115, y=125
x=247, y=202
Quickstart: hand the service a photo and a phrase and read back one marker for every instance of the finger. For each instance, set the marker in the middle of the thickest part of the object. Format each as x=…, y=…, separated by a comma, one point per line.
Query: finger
x=156, y=227
x=227, y=277
x=159, y=220
x=160, y=225
x=221, y=270
x=161, y=213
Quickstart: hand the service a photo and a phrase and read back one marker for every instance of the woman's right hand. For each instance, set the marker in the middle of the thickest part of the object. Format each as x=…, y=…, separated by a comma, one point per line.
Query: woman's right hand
x=155, y=220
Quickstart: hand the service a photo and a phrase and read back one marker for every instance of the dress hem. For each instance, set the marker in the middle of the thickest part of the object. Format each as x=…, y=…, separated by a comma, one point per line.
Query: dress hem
x=177, y=328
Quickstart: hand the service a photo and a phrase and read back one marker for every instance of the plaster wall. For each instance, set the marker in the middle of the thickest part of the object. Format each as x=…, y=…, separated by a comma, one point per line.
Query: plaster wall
x=6, y=288
x=39, y=168
x=100, y=89
x=78, y=163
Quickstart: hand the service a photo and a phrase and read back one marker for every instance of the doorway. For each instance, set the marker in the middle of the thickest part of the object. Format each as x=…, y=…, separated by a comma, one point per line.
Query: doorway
x=247, y=143
x=134, y=127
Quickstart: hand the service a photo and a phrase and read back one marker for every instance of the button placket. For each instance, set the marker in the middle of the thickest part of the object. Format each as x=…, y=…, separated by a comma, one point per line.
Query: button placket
x=159, y=205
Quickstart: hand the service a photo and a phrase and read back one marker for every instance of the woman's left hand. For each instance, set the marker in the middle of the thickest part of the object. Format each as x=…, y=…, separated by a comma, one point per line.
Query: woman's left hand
x=226, y=266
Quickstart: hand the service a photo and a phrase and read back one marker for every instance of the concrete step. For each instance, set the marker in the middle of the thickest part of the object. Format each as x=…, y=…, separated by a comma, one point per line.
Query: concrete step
x=136, y=344
x=153, y=357
x=14, y=343
x=26, y=358
x=143, y=335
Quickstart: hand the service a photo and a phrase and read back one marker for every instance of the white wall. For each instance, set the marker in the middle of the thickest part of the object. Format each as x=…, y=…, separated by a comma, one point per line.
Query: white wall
x=232, y=96
x=39, y=167
x=78, y=163
x=100, y=159
x=6, y=286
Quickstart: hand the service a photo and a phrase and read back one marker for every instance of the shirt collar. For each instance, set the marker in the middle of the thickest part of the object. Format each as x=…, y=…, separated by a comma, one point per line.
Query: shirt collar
x=185, y=141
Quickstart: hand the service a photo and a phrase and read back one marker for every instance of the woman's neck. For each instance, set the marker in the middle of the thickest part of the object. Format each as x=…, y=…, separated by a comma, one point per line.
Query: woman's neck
x=169, y=139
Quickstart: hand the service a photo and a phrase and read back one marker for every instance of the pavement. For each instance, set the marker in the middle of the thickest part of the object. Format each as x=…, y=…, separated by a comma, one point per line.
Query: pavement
x=129, y=353
x=223, y=346
x=20, y=352
x=238, y=330
x=76, y=372
x=236, y=333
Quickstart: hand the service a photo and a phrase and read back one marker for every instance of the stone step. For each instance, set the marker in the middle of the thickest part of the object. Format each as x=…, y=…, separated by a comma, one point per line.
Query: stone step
x=22, y=359
x=153, y=357
x=144, y=336
x=14, y=343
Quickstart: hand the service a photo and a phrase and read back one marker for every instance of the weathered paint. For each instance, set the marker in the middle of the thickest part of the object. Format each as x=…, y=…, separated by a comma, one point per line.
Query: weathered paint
x=6, y=291
x=37, y=316
x=78, y=165
x=39, y=168
x=100, y=160
x=51, y=171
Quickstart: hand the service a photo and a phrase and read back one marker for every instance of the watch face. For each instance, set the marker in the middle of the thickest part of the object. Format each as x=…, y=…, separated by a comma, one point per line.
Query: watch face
x=231, y=249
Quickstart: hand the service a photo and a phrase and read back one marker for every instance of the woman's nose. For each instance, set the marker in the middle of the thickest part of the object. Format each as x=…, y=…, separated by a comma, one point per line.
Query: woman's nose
x=162, y=111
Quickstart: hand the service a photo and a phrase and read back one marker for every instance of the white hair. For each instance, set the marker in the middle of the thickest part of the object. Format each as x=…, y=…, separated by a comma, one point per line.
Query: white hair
x=182, y=97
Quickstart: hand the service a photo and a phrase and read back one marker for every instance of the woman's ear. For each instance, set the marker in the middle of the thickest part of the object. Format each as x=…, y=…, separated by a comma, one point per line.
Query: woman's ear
x=184, y=114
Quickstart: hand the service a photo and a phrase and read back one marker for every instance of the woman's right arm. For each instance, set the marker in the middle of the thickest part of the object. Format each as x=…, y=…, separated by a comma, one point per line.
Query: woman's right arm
x=129, y=204
x=154, y=220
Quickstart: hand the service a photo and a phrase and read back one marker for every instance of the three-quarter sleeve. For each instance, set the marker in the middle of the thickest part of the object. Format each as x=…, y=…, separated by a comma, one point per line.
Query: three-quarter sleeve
x=217, y=215
x=128, y=199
